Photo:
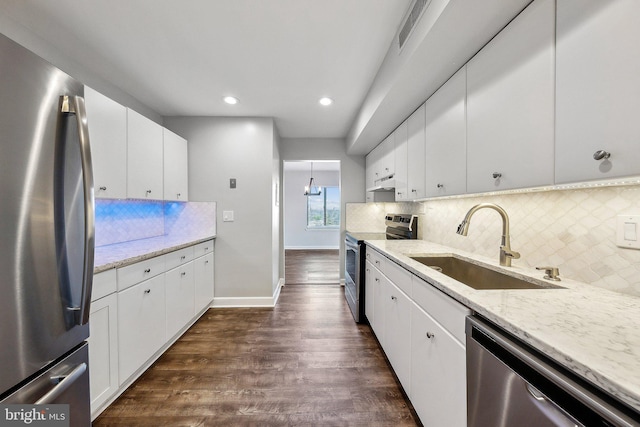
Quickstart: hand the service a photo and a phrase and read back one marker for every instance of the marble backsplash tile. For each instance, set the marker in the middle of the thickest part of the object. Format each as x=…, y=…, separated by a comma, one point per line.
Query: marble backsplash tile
x=574, y=230
x=120, y=221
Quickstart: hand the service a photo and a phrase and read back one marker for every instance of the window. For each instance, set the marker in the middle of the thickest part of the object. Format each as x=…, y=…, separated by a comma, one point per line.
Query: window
x=324, y=210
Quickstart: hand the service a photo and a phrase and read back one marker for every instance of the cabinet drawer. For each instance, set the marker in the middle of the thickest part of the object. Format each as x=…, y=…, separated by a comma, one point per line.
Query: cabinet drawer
x=179, y=257
x=103, y=284
x=203, y=248
x=136, y=273
x=399, y=276
x=444, y=309
x=376, y=259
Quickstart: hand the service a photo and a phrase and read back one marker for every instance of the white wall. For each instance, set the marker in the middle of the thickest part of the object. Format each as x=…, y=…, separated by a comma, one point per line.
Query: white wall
x=296, y=234
x=351, y=172
x=221, y=148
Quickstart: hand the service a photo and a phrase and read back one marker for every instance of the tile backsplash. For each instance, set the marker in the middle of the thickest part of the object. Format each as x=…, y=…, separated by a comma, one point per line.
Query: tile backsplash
x=574, y=230
x=120, y=221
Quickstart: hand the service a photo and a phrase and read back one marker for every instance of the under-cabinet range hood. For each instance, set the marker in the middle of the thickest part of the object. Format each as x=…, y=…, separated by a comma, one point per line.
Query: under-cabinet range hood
x=385, y=184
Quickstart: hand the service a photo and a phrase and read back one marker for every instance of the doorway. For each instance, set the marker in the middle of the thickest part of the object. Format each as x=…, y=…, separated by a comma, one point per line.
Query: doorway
x=311, y=222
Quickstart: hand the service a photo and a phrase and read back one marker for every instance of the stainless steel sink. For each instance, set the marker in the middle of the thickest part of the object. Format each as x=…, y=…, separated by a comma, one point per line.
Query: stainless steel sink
x=477, y=276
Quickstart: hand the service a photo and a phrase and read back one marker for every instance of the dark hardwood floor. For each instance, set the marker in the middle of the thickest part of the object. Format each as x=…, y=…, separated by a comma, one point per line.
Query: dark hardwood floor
x=311, y=266
x=304, y=362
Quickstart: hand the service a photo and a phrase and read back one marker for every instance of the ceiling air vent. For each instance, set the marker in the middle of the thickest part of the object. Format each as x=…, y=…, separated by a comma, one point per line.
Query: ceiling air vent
x=418, y=7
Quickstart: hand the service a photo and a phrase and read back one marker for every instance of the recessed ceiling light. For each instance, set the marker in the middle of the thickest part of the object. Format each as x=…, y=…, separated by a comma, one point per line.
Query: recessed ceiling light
x=230, y=100
x=325, y=101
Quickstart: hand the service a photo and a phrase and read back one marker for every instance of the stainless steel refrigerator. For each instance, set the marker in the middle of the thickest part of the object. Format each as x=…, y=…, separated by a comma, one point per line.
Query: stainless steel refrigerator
x=46, y=235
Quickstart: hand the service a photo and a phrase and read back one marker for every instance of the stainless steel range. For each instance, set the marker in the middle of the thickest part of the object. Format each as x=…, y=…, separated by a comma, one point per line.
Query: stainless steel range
x=398, y=227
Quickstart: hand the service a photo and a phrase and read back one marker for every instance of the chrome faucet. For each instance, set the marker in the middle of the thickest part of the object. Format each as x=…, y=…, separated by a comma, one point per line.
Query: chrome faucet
x=506, y=253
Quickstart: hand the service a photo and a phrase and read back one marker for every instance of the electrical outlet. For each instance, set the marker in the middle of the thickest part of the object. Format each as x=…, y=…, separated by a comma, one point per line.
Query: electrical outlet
x=627, y=228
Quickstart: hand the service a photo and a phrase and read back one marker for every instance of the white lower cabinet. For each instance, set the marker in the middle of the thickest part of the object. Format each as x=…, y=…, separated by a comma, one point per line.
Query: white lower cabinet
x=180, y=289
x=421, y=331
x=103, y=350
x=397, y=344
x=141, y=324
x=438, y=373
x=204, y=275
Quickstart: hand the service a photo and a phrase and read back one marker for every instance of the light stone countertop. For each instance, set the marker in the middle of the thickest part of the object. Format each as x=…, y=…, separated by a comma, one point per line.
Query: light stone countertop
x=591, y=331
x=122, y=254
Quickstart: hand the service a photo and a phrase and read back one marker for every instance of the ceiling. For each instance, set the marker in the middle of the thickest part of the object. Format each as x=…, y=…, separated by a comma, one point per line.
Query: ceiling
x=180, y=58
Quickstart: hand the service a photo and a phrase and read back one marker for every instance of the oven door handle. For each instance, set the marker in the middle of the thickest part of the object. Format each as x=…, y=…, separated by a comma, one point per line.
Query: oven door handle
x=350, y=244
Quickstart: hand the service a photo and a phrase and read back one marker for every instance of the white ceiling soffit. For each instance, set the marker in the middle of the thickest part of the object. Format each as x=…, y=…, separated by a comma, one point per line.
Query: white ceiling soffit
x=180, y=57
x=447, y=35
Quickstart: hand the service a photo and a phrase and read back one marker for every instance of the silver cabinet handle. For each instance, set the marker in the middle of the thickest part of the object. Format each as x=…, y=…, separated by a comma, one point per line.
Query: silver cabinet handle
x=497, y=175
x=147, y=291
x=393, y=298
x=148, y=270
x=414, y=191
x=148, y=191
x=183, y=274
x=103, y=188
x=440, y=185
x=63, y=384
x=178, y=195
x=206, y=262
x=183, y=257
x=377, y=280
x=601, y=155
x=430, y=335
x=75, y=105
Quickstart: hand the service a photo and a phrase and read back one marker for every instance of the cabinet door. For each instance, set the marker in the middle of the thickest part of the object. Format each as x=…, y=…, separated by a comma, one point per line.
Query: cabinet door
x=598, y=89
x=388, y=156
x=416, y=154
x=510, y=105
x=204, y=285
x=369, y=293
x=379, y=283
x=176, y=165
x=108, y=135
x=370, y=180
x=401, y=162
x=376, y=161
x=141, y=324
x=438, y=373
x=397, y=337
x=446, y=138
x=144, y=157
x=103, y=350
x=180, y=286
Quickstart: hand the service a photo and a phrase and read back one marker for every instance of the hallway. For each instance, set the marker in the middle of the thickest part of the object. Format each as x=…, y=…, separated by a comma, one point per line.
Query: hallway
x=317, y=266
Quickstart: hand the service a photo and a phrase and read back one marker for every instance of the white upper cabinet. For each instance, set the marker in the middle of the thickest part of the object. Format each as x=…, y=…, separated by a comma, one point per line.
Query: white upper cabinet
x=108, y=135
x=401, y=175
x=144, y=157
x=598, y=89
x=510, y=105
x=446, y=138
x=388, y=157
x=416, y=154
x=176, y=164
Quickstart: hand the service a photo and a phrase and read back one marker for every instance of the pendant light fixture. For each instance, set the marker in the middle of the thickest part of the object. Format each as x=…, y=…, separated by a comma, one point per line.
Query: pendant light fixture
x=311, y=189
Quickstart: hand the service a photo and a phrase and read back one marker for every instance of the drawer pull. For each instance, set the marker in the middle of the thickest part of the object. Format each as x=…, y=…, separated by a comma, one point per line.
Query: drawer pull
x=182, y=257
x=183, y=274
x=207, y=248
x=206, y=262
x=147, y=291
x=103, y=188
x=377, y=280
x=430, y=335
x=148, y=270
x=393, y=298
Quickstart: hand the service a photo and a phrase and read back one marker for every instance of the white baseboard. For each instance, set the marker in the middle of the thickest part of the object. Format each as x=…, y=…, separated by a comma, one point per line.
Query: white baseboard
x=229, y=302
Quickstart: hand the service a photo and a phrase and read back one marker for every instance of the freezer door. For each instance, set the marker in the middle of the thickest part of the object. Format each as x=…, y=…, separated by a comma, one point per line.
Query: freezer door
x=46, y=215
x=67, y=382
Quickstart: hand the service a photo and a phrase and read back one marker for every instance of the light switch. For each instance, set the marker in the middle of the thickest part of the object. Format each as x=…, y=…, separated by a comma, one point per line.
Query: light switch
x=227, y=216
x=627, y=231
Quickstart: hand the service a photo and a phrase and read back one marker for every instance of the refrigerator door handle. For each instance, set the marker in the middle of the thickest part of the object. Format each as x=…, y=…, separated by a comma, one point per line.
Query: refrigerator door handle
x=63, y=383
x=75, y=105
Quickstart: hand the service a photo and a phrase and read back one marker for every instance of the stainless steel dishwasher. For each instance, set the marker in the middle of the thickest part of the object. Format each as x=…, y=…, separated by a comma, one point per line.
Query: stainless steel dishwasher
x=509, y=384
